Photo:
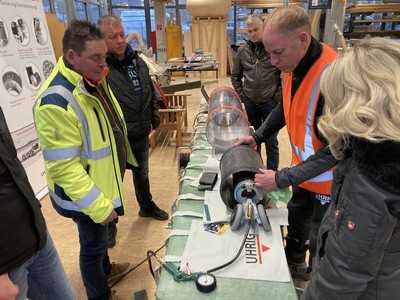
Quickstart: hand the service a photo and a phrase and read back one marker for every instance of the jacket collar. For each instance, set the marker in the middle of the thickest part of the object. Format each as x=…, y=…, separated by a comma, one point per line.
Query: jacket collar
x=66, y=70
x=254, y=45
x=313, y=53
x=72, y=76
x=129, y=55
x=380, y=162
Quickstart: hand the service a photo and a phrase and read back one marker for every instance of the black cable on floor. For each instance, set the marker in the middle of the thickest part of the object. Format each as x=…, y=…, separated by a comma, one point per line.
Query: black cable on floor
x=138, y=265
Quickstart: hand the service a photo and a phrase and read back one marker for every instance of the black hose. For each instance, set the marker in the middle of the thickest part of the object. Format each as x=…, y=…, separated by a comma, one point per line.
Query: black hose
x=148, y=257
x=237, y=254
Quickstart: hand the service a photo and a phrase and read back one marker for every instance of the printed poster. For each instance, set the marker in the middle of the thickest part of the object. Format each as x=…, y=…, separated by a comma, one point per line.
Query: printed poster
x=26, y=60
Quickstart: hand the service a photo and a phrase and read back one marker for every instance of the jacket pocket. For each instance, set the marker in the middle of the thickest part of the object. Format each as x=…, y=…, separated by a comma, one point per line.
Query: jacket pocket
x=100, y=126
x=357, y=228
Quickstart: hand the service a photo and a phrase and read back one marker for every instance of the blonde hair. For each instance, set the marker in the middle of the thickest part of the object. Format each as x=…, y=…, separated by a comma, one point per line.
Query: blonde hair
x=289, y=19
x=362, y=95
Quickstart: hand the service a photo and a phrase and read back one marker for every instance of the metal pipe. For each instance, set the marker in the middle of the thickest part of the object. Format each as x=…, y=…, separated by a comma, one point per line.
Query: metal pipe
x=148, y=21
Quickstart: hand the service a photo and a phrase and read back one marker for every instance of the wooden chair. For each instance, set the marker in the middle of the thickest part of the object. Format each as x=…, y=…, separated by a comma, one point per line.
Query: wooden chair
x=178, y=101
x=174, y=118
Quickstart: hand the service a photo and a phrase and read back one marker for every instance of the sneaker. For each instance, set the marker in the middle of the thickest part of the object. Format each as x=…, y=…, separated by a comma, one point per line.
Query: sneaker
x=118, y=270
x=155, y=212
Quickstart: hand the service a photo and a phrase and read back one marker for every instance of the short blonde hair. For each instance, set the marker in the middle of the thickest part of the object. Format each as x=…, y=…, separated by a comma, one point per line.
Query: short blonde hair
x=362, y=95
x=289, y=19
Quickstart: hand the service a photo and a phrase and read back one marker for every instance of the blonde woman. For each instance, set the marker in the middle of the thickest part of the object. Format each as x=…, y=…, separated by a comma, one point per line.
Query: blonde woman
x=358, y=254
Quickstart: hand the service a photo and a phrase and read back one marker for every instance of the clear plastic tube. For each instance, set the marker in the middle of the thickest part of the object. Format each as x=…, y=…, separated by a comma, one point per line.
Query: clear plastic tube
x=226, y=119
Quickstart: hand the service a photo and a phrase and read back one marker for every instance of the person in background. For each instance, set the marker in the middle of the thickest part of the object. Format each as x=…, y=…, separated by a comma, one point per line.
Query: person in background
x=302, y=59
x=257, y=82
x=29, y=263
x=130, y=81
x=358, y=255
x=84, y=140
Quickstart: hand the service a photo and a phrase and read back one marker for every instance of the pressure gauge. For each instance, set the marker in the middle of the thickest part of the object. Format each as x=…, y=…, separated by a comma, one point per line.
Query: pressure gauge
x=206, y=282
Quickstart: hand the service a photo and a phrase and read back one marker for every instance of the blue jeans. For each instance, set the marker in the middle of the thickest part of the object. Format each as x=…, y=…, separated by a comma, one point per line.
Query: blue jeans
x=42, y=276
x=93, y=259
x=140, y=149
x=257, y=114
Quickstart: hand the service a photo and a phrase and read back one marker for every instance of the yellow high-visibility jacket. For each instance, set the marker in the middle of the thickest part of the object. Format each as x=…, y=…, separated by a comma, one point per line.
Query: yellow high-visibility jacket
x=78, y=144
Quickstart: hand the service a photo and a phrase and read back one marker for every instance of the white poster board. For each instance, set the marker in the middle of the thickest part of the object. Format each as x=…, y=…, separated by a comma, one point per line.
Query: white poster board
x=26, y=60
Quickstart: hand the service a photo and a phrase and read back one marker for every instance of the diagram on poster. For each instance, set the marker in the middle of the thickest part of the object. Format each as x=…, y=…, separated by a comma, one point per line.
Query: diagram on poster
x=40, y=31
x=32, y=75
x=3, y=34
x=12, y=81
x=26, y=60
x=47, y=67
x=20, y=31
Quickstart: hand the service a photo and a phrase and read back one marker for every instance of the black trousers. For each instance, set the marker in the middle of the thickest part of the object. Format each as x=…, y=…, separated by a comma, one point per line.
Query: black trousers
x=140, y=149
x=306, y=211
x=257, y=114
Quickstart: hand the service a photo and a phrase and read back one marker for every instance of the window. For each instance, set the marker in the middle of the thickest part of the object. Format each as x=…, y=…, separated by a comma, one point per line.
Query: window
x=47, y=6
x=241, y=35
x=186, y=19
x=170, y=14
x=80, y=10
x=93, y=12
x=61, y=12
x=133, y=20
x=127, y=3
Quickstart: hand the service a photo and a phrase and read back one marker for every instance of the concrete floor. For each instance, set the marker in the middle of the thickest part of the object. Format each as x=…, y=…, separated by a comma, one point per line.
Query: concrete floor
x=136, y=235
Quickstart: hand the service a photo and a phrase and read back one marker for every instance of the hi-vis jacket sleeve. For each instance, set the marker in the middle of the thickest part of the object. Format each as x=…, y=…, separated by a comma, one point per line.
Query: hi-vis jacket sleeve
x=60, y=130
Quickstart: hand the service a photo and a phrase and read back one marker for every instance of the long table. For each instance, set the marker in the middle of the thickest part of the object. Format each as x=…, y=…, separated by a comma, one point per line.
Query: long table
x=232, y=289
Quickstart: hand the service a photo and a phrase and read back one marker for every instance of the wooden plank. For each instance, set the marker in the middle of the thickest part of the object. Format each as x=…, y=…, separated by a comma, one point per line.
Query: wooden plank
x=361, y=34
x=374, y=8
x=181, y=87
x=376, y=21
x=264, y=3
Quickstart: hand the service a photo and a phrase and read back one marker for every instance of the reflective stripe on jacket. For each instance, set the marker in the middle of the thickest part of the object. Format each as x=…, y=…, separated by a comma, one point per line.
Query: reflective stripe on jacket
x=78, y=145
x=299, y=116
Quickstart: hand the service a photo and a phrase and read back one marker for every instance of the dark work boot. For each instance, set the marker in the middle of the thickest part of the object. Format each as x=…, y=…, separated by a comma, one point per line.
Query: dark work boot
x=154, y=212
x=296, y=255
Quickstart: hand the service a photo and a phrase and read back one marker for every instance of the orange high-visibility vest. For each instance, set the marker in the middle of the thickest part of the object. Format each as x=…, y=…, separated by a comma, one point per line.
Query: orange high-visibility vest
x=299, y=117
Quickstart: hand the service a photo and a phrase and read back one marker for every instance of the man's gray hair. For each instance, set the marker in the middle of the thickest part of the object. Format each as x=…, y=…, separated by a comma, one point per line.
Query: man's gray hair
x=108, y=20
x=254, y=20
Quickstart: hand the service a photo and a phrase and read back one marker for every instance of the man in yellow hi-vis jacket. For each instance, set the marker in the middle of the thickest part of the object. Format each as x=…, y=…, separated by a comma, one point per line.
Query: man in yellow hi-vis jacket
x=83, y=137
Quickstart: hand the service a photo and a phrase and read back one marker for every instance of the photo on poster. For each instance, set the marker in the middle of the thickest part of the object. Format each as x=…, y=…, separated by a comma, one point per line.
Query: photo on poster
x=26, y=143
x=40, y=31
x=12, y=81
x=33, y=76
x=47, y=67
x=20, y=31
x=3, y=34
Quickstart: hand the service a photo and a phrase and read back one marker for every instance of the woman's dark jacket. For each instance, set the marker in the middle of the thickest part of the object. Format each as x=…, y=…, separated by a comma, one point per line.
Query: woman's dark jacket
x=358, y=254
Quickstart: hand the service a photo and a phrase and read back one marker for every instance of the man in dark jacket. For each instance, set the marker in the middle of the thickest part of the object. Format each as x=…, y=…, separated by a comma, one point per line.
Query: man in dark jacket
x=29, y=263
x=131, y=84
x=257, y=82
x=301, y=58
